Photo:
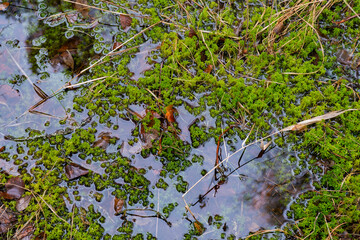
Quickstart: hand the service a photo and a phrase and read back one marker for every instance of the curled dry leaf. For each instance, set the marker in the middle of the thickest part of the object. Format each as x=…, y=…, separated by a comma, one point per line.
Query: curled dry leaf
x=2, y=149
x=23, y=203
x=14, y=188
x=125, y=21
x=7, y=220
x=170, y=113
x=118, y=205
x=73, y=171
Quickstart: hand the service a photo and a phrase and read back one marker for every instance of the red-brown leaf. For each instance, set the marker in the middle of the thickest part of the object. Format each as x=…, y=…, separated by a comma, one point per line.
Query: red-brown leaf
x=209, y=68
x=73, y=170
x=14, y=188
x=192, y=33
x=117, y=45
x=125, y=21
x=118, y=205
x=170, y=113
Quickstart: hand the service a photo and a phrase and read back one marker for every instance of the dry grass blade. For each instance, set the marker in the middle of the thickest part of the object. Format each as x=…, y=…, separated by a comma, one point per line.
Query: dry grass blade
x=301, y=125
x=40, y=92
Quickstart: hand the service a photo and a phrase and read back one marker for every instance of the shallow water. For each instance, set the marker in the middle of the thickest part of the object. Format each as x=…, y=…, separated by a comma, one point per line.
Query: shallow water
x=252, y=195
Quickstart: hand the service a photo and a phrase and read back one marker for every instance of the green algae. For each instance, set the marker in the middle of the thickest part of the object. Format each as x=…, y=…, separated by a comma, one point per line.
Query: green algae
x=256, y=79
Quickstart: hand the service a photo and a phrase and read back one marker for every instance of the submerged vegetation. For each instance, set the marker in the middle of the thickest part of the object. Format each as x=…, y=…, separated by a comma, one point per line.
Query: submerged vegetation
x=154, y=94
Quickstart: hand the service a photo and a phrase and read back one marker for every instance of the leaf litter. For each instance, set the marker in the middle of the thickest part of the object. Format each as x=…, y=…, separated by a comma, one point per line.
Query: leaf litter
x=73, y=171
x=14, y=188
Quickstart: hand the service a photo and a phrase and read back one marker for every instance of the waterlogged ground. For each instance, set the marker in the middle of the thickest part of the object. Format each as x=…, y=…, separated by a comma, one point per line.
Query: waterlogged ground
x=113, y=115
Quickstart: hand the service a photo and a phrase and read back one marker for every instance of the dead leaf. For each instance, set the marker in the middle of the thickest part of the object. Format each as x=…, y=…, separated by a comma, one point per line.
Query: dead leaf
x=26, y=233
x=104, y=140
x=81, y=7
x=125, y=21
x=303, y=124
x=118, y=205
x=3, y=6
x=192, y=33
x=7, y=220
x=71, y=17
x=209, y=68
x=199, y=227
x=23, y=203
x=14, y=188
x=344, y=57
x=67, y=59
x=170, y=113
x=73, y=171
x=117, y=45
x=263, y=148
x=279, y=27
x=2, y=149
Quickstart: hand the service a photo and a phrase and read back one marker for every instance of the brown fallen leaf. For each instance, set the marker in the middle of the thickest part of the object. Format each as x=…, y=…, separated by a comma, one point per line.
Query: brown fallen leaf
x=104, y=140
x=14, y=188
x=118, y=205
x=67, y=59
x=209, y=68
x=344, y=57
x=116, y=45
x=301, y=125
x=192, y=33
x=125, y=21
x=23, y=203
x=279, y=27
x=73, y=171
x=169, y=115
x=26, y=233
x=81, y=7
x=2, y=149
x=3, y=6
x=7, y=220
